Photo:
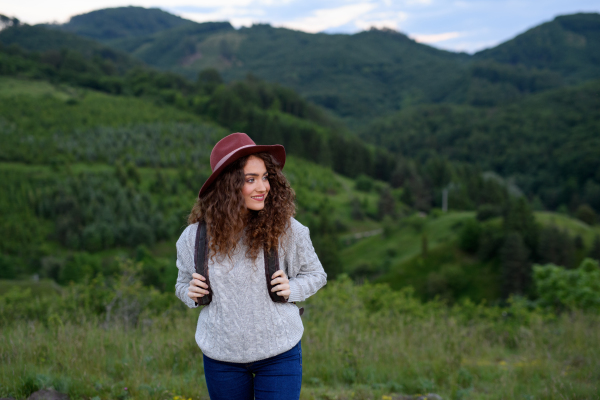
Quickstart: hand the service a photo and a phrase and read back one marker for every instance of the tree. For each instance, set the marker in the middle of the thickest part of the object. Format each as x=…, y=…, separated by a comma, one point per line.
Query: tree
x=516, y=268
x=6, y=22
x=556, y=247
x=519, y=218
x=356, y=211
x=209, y=79
x=595, y=251
x=586, y=214
x=468, y=239
x=387, y=204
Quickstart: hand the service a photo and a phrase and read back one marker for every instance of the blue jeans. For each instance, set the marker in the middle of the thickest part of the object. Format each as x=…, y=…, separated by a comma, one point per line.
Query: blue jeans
x=274, y=378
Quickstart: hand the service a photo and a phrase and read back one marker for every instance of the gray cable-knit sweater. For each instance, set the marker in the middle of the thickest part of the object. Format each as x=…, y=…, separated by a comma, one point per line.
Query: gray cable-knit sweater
x=242, y=324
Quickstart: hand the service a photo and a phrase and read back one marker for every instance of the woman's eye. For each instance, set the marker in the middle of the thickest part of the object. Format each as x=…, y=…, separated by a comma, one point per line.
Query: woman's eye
x=251, y=180
x=265, y=178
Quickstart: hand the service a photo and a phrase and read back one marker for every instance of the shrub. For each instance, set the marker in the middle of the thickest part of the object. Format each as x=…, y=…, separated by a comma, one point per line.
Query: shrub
x=572, y=289
x=364, y=183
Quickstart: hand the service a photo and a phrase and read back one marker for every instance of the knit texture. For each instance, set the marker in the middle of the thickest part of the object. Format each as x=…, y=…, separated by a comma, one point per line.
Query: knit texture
x=242, y=324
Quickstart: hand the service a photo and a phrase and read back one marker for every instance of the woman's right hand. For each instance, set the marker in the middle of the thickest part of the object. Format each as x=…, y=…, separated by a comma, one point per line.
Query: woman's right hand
x=198, y=287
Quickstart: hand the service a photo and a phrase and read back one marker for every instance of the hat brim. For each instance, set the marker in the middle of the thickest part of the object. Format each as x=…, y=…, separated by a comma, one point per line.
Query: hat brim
x=276, y=150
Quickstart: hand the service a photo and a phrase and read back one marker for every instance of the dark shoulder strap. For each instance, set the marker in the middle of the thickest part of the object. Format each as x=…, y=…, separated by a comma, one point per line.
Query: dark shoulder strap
x=272, y=266
x=201, y=260
x=201, y=264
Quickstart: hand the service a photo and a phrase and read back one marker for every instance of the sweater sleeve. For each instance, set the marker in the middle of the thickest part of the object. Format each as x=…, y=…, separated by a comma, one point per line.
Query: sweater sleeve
x=185, y=265
x=305, y=272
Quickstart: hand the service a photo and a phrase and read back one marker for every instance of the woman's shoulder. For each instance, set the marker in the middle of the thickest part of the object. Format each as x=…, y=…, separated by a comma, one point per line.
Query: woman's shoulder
x=296, y=227
x=297, y=232
x=189, y=234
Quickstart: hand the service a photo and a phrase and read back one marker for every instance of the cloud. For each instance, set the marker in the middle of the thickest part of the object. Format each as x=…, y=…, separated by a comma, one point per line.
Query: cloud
x=33, y=12
x=237, y=16
x=323, y=19
x=436, y=37
x=381, y=20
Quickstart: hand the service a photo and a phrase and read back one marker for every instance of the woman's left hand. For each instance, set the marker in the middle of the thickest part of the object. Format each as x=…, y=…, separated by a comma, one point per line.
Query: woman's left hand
x=281, y=284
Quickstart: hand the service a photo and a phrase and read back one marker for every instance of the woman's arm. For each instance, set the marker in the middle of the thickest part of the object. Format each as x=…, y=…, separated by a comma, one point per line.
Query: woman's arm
x=305, y=272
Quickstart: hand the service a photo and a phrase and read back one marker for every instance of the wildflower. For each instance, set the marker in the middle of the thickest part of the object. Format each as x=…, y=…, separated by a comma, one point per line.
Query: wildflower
x=125, y=389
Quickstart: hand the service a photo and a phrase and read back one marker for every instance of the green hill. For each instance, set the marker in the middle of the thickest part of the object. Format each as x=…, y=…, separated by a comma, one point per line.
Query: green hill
x=568, y=45
x=359, y=76
x=88, y=172
x=122, y=22
x=356, y=76
x=54, y=44
x=547, y=142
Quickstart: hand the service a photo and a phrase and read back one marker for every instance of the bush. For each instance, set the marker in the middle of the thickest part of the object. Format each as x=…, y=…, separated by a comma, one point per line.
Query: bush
x=571, y=289
x=364, y=183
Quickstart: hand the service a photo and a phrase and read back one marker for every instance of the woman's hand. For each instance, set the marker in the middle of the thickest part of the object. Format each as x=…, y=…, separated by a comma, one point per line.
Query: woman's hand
x=281, y=284
x=198, y=287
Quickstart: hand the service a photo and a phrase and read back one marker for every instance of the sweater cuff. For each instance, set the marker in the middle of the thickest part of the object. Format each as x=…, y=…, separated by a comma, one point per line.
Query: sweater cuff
x=190, y=303
x=296, y=292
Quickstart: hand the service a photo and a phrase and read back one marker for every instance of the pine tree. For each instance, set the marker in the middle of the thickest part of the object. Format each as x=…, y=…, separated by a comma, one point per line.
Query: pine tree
x=556, y=247
x=519, y=218
x=516, y=268
x=595, y=251
x=387, y=204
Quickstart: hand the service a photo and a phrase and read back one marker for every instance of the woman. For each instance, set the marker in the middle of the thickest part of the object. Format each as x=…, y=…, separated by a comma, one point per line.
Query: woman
x=250, y=343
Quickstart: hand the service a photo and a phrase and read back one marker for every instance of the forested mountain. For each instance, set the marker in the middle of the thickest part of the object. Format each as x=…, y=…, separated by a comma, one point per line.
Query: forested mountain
x=358, y=77
x=568, y=45
x=55, y=45
x=548, y=142
x=124, y=22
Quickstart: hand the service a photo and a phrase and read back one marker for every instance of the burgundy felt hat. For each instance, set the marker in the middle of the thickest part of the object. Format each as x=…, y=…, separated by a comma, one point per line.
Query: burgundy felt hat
x=235, y=146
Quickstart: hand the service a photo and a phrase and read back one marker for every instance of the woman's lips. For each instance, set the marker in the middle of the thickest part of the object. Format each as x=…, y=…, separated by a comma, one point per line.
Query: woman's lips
x=258, y=198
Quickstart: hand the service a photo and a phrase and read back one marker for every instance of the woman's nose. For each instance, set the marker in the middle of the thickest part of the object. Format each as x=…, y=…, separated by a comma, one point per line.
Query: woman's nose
x=261, y=186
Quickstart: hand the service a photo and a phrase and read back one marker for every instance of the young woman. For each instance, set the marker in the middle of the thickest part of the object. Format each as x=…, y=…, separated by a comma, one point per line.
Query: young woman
x=250, y=343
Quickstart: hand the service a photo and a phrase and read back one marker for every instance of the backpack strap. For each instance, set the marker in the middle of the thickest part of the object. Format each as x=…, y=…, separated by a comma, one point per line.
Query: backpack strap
x=272, y=266
x=201, y=261
x=201, y=265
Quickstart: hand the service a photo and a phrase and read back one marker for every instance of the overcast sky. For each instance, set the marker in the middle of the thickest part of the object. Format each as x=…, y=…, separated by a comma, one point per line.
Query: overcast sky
x=457, y=25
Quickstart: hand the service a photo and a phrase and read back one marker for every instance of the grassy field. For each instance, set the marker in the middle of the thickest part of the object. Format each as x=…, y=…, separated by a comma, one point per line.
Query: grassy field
x=360, y=342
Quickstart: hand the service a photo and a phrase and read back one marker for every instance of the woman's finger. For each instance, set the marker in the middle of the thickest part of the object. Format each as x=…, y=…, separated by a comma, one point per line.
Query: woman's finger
x=277, y=273
x=198, y=276
x=284, y=293
x=194, y=295
x=279, y=280
x=197, y=282
x=196, y=289
x=281, y=287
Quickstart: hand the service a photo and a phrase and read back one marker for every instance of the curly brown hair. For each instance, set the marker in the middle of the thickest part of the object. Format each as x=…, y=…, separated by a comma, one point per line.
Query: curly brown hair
x=223, y=209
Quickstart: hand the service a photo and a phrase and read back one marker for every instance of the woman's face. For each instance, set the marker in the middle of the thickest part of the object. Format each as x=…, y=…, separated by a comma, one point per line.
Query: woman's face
x=256, y=183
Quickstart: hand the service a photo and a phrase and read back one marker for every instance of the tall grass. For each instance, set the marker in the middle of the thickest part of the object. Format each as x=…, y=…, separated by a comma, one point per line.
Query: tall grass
x=360, y=342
